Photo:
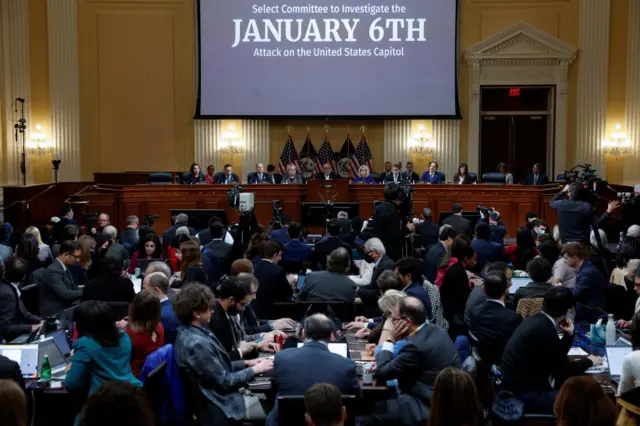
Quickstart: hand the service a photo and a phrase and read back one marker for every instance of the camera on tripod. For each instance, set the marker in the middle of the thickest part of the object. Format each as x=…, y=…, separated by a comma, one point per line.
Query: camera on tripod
x=150, y=219
x=625, y=197
x=233, y=196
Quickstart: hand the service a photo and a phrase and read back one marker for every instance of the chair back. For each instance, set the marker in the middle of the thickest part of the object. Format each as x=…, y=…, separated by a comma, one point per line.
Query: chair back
x=494, y=178
x=291, y=410
x=30, y=296
x=154, y=387
x=192, y=398
x=119, y=309
x=337, y=310
x=159, y=178
x=529, y=306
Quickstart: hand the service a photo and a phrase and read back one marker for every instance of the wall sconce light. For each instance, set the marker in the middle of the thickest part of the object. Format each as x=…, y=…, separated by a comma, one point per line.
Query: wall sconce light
x=38, y=143
x=421, y=144
x=617, y=145
x=231, y=143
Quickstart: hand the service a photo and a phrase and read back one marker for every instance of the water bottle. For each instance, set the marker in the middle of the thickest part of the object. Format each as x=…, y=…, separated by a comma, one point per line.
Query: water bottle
x=611, y=331
x=45, y=369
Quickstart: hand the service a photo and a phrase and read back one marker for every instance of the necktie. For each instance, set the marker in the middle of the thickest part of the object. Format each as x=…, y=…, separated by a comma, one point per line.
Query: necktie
x=260, y=177
x=431, y=177
x=227, y=181
x=535, y=179
x=395, y=178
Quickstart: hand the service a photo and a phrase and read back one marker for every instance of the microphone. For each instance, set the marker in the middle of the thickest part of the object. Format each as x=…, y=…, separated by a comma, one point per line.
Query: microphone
x=20, y=100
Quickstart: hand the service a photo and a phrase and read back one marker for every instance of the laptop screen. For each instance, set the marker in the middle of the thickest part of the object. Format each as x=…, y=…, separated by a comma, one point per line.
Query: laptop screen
x=25, y=355
x=60, y=337
x=48, y=347
x=615, y=356
x=336, y=348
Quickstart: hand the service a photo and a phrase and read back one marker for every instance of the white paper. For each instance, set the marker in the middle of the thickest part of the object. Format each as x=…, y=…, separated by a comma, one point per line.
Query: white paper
x=13, y=354
x=577, y=352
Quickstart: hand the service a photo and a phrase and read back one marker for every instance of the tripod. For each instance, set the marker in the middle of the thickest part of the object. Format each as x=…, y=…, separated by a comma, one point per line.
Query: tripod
x=20, y=129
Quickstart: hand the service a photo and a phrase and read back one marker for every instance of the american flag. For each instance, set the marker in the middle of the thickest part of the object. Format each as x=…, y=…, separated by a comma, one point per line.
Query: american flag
x=325, y=155
x=289, y=155
x=363, y=154
x=348, y=153
x=308, y=155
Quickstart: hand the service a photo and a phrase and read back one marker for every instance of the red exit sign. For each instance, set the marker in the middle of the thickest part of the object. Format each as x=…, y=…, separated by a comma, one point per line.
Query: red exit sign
x=514, y=91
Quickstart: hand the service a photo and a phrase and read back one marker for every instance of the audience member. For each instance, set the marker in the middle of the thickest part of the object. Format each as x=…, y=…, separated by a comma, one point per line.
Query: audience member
x=241, y=266
x=68, y=233
x=636, y=287
x=436, y=252
x=590, y=283
x=44, y=251
x=200, y=354
x=296, y=251
x=254, y=249
x=80, y=269
x=102, y=352
x=323, y=249
x=386, y=303
x=115, y=250
x=455, y=400
x=117, y=403
x=29, y=252
x=291, y=375
x=57, y=289
x=145, y=328
x=280, y=230
x=15, y=320
x=158, y=266
x=158, y=283
x=250, y=322
x=530, y=219
x=520, y=253
x=375, y=253
x=170, y=234
x=540, y=272
x=14, y=404
x=148, y=248
x=323, y=403
x=427, y=231
x=111, y=286
x=218, y=246
x=630, y=377
x=583, y=402
x=10, y=370
x=191, y=268
x=456, y=221
x=486, y=250
x=130, y=237
x=409, y=270
x=534, y=354
x=66, y=218
x=332, y=285
x=456, y=287
x=388, y=280
x=274, y=285
x=477, y=297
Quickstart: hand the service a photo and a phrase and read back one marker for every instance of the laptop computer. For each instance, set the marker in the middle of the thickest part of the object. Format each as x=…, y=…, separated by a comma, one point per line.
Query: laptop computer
x=57, y=361
x=336, y=348
x=29, y=337
x=60, y=338
x=615, y=356
x=25, y=355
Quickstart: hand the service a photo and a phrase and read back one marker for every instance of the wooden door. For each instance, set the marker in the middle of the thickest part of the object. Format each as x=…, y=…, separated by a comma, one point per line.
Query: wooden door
x=495, y=142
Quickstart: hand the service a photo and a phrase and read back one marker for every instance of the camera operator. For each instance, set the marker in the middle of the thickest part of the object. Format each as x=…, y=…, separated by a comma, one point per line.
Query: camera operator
x=631, y=209
x=492, y=218
x=387, y=223
x=576, y=216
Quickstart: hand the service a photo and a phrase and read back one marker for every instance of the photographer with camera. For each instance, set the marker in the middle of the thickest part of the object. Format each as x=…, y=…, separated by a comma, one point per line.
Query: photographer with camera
x=630, y=208
x=387, y=221
x=491, y=217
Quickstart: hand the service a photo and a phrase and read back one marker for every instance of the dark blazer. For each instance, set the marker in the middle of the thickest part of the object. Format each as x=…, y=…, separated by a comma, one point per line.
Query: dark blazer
x=10, y=370
x=590, y=286
x=468, y=179
x=432, y=261
x=487, y=251
x=382, y=178
x=170, y=234
x=386, y=226
x=14, y=317
x=296, y=251
x=57, y=290
x=190, y=179
x=438, y=177
x=251, y=323
x=534, y=353
x=117, y=251
x=280, y=235
x=460, y=224
x=286, y=180
x=220, y=324
x=388, y=177
x=274, y=287
x=542, y=179
x=292, y=375
x=221, y=178
x=453, y=294
x=254, y=177
x=170, y=322
x=130, y=239
x=325, y=286
x=222, y=250
x=323, y=249
x=58, y=228
x=416, y=367
x=371, y=292
x=277, y=178
x=109, y=288
x=428, y=233
x=411, y=177
x=332, y=175
x=530, y=291
x=492, y=325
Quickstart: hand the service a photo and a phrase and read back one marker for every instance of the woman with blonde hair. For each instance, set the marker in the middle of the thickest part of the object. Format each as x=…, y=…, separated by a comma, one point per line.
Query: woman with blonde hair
x=45, y=255
x=363, y=175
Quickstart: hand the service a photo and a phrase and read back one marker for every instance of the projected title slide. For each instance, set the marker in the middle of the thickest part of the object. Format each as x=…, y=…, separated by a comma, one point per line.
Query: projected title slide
x=329, y=30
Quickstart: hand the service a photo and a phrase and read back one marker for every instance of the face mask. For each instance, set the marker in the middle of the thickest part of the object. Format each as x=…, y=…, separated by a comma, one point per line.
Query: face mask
x=540, y=231
x=367, y=258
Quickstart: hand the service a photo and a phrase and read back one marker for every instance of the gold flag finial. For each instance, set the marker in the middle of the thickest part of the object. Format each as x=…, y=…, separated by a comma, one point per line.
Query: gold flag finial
x=326, y=128
x=363, y=128
x=289, y=129
x=348, y=129
x=308, y=130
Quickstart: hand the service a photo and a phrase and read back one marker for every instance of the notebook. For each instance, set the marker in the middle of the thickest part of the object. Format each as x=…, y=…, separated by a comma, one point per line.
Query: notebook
x=25, y=355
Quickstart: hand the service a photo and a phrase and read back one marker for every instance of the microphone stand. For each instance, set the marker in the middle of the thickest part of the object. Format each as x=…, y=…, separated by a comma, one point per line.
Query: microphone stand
x=20, y=128
x=56, y=167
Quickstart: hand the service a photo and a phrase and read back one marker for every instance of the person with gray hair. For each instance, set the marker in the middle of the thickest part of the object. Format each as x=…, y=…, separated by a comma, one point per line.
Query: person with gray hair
x=633, y=231
x=158, y=282
x=332, y=285
x=291, y=372
x=115, y=250
x=158, y=266
x=130, y=238
x=169, y=235
x=375, y=253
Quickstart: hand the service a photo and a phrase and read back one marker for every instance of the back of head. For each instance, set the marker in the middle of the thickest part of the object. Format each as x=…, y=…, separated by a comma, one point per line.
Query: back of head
x=14, y=404
x=461, y=249
x=339, y=261
x=456, y=208
x=241, y=266
x=112, y=266
x=539, y=269
x=182, y=218
x=496, y=267
x=412, y=308
x=95, y=319
x=410, y=265
x=495, y=285
x=192, y=299
x=333, y=228
x=216, y=229
x=574, y=250
x=389, y=280
x=118, y=403
x=633, y=231
x=427, y=214
x=549, y=251
x=581, y=401
x=144, y=314
x=342, y=215
x=270, y=249
x=70, y=232
x=374, y=244
x=15, y=270
x=294, y=230
x=356, y=224
x=483, y=231
x=524, y=239
x=390, y=192
x=110, y=231
x=158, y=266
x=232, y=287
x=558, y=301
x=69, y=247
x=319, y=327
x=389, y=299
x=446, y=232
x=323, y=403
x=455, y=400
x=158, y=280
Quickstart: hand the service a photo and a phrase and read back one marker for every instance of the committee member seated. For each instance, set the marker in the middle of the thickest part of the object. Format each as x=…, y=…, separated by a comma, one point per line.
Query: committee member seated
x=364, y=175
x=463, y=177
x=210, y=177
x=292, y=176
x=227, y=176
x=536, y=177
x=508, y=177
x=57, y=289
x=486, y=250
x=15, y=320
x=433, y=176
x=276, y=177
x=428, y=351
x=195, y=175
x=332, y=285
x=291, y=372
x=327, y=173
x=459, y=223
x=200, y=354
x=274, y=286
x=259, y=176
x=394, y=176
x=323, y=248
x=409, y=174
x=323, y=404
x=435, y=254
x=492, y=324
x=534, y=354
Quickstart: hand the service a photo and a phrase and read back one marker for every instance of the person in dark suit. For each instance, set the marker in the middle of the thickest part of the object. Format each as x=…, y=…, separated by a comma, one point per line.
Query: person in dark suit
x=130, y=238
x=463, y=177
x=536, y=177
x=332, y=285
x=296, y=251
x=10, y=370
x=486, y=250
x=492, y=324
x=433, y=176
x=323, y=248
x=228, y=176
x=386, y=221
x=276, y=178
x=259, y=176
x=436, y=252
x=477, y=297
x=387, y=170
x=115, y=250
x=427, y=231
x=218, y=246
x=590, y=283
x=394, y=176
x=409, y=269
x=274, y=286
x=375, y=253
x=280, y=232
x=535, y=354
x=292, y=176
x=459, y=223
x=540, y=271
x=111, y=286
x=428, y=351
x=409, y=174
x=159, y=284
x=66, y=218
x=327, y=173
x=57, y=289
x=456, y=287
x=15, y=320
x=194, y=176
x=291, y=372
x=170, y=234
